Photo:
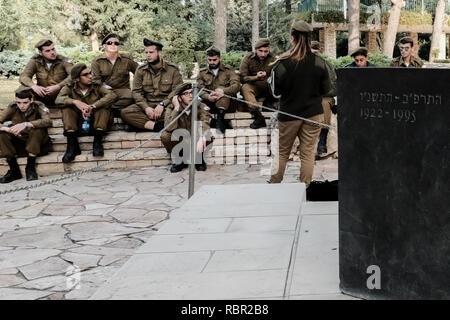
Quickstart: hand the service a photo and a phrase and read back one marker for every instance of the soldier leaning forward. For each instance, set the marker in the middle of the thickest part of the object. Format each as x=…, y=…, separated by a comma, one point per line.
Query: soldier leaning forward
x=223, y=80
x=52, y=73
x=254, y=71
x=153, y=85
x=82, y=99
x=26, y=137
x=181, y=100
x=112, y=71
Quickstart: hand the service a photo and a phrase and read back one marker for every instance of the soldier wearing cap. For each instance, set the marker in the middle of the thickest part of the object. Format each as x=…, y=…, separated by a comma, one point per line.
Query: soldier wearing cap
x=52, y=72
x=223, y=80
x=112, y=71
x=153, y=85
x=27, y=135
x=361, y=57
x=328, y=101
x=181, y=100
x=406, y=58
x=82, y=99
x=254, y=71
x=300, y=79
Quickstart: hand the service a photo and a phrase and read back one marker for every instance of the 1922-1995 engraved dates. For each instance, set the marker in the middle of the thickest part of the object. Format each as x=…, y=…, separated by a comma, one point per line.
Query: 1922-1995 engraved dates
x=400, y=115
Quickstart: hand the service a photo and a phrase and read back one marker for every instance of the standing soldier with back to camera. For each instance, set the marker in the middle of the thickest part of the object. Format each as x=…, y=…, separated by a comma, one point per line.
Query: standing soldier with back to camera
x=223, y=80
x=27, y=136
x=254, y=71
x=81, y=99
x=52, y=73
x=300, y=79
x=153, y=85
x=112, y=71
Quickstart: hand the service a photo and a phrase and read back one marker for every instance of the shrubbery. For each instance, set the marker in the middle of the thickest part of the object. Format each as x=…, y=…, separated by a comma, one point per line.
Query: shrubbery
x=13, y=62
x=377, y=59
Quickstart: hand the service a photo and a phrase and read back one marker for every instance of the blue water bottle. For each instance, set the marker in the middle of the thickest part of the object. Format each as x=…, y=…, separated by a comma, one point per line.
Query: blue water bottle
x=85, y=125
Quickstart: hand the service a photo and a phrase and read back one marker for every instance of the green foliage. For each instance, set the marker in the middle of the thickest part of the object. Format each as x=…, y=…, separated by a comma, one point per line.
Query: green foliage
x=329, y=16
x=339, y=62
x=12, y=63
x=377, y=59
x=233, y=58
x=442, y=61
x=239, y=26
x=184, y=59
x=411, y=18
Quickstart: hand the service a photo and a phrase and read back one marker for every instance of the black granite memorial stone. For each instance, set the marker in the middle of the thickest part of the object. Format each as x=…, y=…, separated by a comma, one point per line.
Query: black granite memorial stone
x=394, y=177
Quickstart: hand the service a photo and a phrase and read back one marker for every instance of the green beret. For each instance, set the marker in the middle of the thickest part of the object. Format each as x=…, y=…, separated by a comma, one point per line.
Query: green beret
x=43, y=43
x=315, y=45
x=182, y=87
x=76, y=70
x=212, y=51
x=149, y=43
x=263, y=42
x=361, y=51
x=301, y=26
x=109, y=36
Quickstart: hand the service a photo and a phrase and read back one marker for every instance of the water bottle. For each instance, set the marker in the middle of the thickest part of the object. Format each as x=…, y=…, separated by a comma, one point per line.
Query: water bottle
x=85, y=125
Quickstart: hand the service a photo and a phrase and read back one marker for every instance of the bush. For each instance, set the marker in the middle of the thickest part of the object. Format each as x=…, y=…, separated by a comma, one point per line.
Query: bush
x=233, y=58
x=12, y=63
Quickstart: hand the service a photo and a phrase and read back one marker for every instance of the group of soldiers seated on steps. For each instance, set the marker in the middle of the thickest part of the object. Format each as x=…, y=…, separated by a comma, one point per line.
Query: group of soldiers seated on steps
x=102, y=91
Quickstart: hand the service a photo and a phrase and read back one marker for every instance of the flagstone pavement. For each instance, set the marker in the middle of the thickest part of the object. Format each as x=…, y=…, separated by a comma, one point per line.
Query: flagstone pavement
x=90, y=226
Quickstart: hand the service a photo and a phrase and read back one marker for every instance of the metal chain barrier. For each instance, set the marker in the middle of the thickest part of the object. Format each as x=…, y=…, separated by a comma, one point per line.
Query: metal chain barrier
x=275, y=110
x=85, y=171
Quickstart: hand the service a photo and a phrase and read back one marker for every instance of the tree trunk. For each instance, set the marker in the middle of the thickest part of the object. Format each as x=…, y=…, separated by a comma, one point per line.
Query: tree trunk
x=94, y=40
x=391, y=31
x=255, y=23
x=220, y=23
x=353, y=25
x=287, y=5
x=437, y=30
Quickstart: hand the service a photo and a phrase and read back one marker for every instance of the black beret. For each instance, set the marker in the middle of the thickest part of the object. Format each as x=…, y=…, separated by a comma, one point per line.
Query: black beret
x=361, y=51
x=182, y=87
x=109, y=36
x=212, y=51
x=149, y=43
x=77, y=69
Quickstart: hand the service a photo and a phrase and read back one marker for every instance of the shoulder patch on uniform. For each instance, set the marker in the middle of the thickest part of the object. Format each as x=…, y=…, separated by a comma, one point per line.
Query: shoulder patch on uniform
x=43, y=108
x=68, y=60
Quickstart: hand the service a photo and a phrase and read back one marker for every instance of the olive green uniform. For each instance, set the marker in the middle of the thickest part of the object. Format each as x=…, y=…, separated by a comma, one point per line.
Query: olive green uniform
x=34, y=139
x=184, y=122
x=150, y=87
x=252, y=87
x=96, y=95
x=226, y=78
x=414, y=62
x=116, y=76
x=57, y=74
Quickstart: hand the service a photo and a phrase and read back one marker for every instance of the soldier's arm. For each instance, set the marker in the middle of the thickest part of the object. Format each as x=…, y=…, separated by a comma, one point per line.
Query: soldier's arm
x=45, y=120
x=64, y=97
x=96, y=73
x=333, y=80
x=138, y=90
x=205, y=118
x=6, y=115
x=26, y=77
x=276, y=79
x=177, y=80
x=201, y=84
x=171, y=114
x=108, y=97
x=235, y=84
x=325, y=83
x=68, y=67
x=244, y=72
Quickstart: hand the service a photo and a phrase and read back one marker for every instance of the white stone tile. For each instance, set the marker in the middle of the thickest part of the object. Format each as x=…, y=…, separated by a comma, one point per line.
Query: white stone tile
x=215, y=241
x=195, y=286
x=194, y=226
x=257, y=259
x=318, y=207
x=22, y=294
x=263, y=224
x=49, y=267
x=20, y=257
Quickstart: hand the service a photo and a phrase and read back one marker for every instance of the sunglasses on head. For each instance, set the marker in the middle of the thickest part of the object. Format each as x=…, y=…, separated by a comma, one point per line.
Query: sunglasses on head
x=116, y=43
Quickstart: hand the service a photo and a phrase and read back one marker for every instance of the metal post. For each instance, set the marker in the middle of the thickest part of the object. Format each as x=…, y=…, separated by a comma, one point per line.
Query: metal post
x=193, y=140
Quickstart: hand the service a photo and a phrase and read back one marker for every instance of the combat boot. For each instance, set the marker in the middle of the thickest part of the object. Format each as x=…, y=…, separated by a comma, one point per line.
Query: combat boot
x=13, y=172
x=322, y=146
x=73, y=148
x=30, y=169
x=177, y=167
x=220, y=123
x=98, y=150
x=259, y=121
x=201, y=166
